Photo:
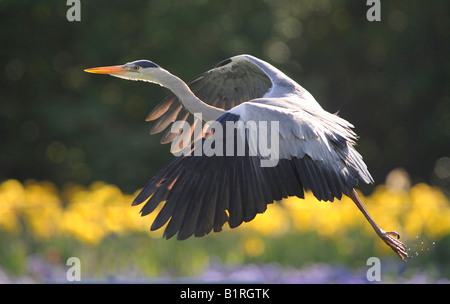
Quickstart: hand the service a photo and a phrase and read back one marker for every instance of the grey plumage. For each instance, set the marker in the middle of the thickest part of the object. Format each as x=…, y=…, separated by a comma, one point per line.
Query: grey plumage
x=310, y=149
x=316, y=152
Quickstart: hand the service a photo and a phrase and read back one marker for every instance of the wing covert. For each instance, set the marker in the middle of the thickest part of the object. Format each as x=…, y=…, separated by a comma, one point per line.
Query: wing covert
x=232, y=82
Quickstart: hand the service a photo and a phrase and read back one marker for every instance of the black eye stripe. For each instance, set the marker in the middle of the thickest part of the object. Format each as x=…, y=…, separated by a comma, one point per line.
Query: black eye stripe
x=146, y=64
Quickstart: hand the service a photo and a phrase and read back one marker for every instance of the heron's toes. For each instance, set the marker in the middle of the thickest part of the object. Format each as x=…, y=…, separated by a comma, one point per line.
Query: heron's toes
x=393, y=233
x=391, y=238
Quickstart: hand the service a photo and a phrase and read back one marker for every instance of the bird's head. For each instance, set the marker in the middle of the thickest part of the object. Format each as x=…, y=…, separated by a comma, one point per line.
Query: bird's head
x=144, y=70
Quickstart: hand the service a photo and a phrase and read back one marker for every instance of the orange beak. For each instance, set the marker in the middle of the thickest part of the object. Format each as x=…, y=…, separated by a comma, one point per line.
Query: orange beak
x=114, y=70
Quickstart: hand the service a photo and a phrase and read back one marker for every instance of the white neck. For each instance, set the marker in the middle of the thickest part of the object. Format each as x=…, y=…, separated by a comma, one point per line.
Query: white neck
x=191, y=102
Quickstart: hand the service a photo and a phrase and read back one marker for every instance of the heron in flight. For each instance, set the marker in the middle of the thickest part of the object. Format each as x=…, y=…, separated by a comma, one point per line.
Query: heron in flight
x=201, y=193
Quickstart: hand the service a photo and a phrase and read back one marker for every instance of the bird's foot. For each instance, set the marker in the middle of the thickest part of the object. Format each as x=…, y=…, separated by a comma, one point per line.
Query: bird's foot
x=391, y=238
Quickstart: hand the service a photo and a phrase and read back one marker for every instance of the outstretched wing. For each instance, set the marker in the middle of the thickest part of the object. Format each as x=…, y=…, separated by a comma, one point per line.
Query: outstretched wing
x=232, y=82
x=202, y=193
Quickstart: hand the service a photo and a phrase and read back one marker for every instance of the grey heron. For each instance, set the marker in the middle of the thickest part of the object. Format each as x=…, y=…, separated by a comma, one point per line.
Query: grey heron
x=201, y=193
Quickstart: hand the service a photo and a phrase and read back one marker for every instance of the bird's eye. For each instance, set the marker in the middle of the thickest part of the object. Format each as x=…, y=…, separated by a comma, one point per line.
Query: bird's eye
x=136, y=67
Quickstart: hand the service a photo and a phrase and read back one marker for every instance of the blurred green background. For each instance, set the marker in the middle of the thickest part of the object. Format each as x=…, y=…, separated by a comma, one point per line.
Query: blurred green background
x=389, y=78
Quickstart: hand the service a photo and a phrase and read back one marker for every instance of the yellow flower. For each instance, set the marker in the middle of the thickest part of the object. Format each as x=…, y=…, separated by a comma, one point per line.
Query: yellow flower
x=91, y=213
x=429, y=212
x=42, y=210
x=12, y=198
x=253, y=246
x=272, y=222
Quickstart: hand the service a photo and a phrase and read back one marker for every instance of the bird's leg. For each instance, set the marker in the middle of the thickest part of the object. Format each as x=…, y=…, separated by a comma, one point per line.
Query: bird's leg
x=389, y=237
